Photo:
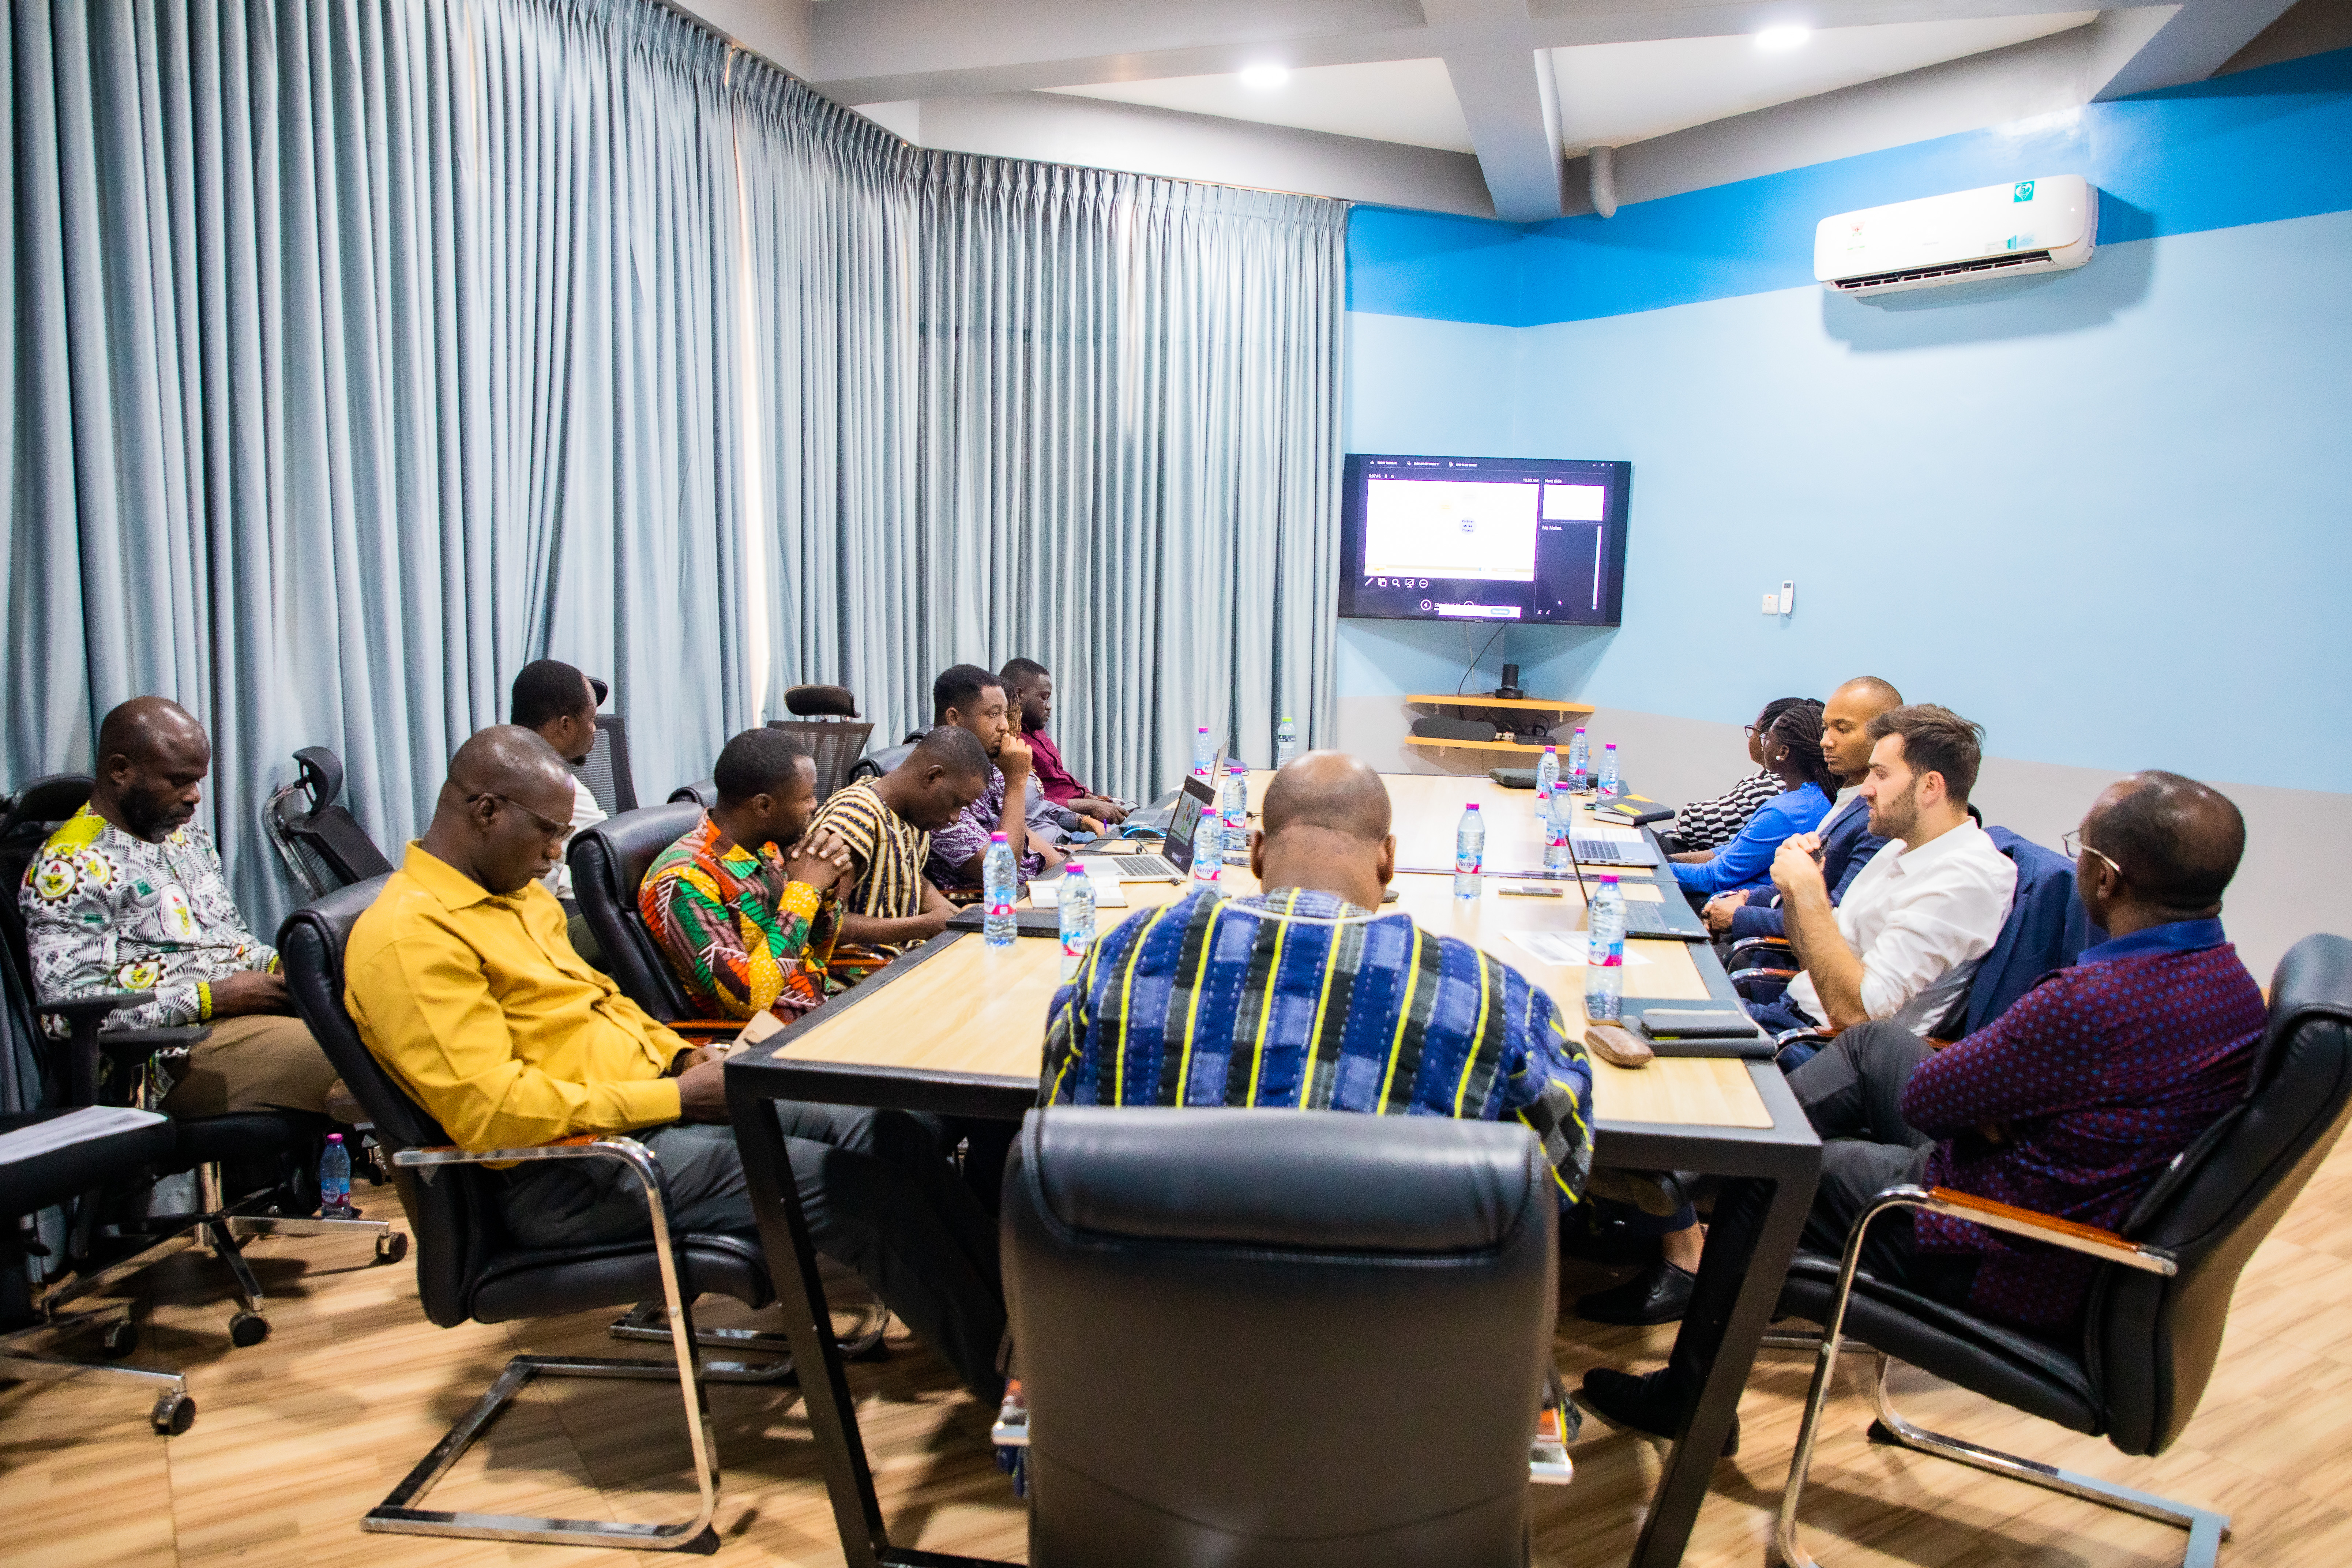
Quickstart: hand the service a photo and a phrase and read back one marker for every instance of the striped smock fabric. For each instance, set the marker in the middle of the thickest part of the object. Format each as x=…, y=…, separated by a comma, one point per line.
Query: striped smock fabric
x=886, y=853
x=1300, y=1000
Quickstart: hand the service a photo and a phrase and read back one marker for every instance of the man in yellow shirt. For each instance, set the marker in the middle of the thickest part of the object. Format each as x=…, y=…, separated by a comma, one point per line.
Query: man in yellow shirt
x=464, y=985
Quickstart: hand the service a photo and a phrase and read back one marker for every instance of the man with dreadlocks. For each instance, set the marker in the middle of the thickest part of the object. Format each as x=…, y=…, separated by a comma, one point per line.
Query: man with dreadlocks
x=1789, y=745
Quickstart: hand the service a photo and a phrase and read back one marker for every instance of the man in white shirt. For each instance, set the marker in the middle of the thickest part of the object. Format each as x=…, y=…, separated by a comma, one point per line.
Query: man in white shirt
x=1906, y=939
x=558, y=703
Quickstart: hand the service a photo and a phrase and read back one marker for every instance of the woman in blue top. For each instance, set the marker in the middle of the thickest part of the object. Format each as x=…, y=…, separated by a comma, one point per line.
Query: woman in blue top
x=1792, y=753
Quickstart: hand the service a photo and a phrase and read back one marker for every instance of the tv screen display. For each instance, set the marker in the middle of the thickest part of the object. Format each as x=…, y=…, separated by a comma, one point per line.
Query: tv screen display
x=1536, y=540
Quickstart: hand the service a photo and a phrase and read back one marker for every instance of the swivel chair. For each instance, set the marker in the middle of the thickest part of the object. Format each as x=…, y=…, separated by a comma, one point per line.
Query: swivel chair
x=469, y=1267
x=607, y=770
x=315, y=832
x=1304, y=1340
x=828, y=725
x=2152, y=1328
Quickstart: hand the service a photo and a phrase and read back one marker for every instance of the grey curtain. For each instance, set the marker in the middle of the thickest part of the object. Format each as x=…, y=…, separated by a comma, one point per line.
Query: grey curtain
x=1021, y=409
x=365, y=349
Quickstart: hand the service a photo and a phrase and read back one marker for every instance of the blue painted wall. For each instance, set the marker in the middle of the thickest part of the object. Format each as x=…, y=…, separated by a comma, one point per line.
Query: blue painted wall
x=2106, y=512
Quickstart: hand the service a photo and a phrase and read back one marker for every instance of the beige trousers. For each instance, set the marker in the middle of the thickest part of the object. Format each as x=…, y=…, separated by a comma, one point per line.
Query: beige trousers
x=253, y=1063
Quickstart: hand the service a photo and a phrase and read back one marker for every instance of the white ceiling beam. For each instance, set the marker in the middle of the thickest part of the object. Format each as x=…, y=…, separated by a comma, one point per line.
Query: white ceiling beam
x=2148, y=48
x=1504, y=84
x=879, y=51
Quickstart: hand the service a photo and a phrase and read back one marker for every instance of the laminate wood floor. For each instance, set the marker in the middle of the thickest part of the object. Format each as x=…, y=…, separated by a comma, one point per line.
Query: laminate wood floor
x=298, y=1437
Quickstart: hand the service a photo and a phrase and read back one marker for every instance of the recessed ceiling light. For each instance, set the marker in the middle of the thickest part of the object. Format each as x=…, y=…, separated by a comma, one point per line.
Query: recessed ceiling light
x=1779, y=40
x=1263, y=77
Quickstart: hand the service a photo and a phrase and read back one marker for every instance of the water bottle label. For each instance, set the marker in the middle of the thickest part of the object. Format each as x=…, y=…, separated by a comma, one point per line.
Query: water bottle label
x=999, y=904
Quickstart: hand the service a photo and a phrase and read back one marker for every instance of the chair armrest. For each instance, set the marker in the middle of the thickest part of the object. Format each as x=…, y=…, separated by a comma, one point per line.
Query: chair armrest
x=1737, y=975
x=81, y=1011
x=1821, y=1032
x=706, y=1031
x=1765, y=948
x=2104, y=1245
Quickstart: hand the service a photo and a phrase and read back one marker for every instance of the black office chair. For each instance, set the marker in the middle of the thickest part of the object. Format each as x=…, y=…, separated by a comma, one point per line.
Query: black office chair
x=608, y=862
x=703, y=792
x=1304, y=1340
x=607, y=770
x=58, y=1175
x=469, y=1268
x=827, y=724
x=2153, y=1326
x=874, y=765
x=315, y=832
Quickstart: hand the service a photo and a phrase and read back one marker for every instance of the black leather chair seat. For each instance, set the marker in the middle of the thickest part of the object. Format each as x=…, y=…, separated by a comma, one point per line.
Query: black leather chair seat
x=31, y=1184
x=241, y=1136
x=2006, y=1364
x=545, y=1284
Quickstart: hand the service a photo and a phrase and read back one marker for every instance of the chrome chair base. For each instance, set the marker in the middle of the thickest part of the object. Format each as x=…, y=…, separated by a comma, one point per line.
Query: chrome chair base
x=174, y=1411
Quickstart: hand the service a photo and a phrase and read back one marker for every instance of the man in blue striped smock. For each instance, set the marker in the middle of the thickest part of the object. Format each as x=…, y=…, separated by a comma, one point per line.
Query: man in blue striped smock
x=1308, y=996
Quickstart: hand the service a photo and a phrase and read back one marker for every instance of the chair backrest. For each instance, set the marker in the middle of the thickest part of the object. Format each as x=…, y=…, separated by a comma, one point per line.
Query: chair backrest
x=2150, y=1343
x=607, y=770
x=325, y=844
x=820, y=701
x=455, y=1216
x=37, y=811
x=608, y=864
x=836, y=744
x=703, y=792
x=2046, y=927
x=874, y=765
x=1298, y=1338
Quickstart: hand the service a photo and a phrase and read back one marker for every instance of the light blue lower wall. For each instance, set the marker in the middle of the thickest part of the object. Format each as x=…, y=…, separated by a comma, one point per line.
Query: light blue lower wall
x=2104, y=512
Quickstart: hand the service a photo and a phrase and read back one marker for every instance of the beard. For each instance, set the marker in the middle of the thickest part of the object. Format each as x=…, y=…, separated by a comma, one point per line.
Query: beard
x=1895, y=819
x=151, y=818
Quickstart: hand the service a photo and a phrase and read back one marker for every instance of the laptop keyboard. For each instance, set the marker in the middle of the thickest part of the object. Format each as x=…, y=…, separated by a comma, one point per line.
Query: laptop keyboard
x=1144, y=867
x=1605, y=852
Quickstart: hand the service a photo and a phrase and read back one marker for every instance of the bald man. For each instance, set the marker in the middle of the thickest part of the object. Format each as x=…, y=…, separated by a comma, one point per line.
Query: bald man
x=128, y=895
x=464, y=985
x=2071, y=1104
x=1306, y=996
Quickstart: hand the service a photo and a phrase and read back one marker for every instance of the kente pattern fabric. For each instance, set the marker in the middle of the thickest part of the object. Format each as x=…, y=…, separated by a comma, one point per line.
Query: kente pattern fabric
x=108, y=912
x=1703, y=824
x=1302, y=1000
x=743, y=937
x=2094, y=1080
x=885, y=851
x=953, y=847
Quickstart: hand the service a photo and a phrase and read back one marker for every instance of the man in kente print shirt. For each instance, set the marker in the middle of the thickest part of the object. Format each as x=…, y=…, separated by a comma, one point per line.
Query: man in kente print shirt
x=747, y=927
x=128, y=895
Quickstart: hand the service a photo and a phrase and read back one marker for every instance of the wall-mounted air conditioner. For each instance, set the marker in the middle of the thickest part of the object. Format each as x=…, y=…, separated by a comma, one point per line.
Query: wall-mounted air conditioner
x=2044, y=224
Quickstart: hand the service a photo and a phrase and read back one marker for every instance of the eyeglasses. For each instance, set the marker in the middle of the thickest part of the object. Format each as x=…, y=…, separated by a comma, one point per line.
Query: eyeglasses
x=2072, y=841
x=558, y=831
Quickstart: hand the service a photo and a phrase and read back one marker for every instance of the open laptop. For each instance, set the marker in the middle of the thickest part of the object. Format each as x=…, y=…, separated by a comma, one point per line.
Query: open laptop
x=1174, y=862
x=1669, y=919
x=1611, y=852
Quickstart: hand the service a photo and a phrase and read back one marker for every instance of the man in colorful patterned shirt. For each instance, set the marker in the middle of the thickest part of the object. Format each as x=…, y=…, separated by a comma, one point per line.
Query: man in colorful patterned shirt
x=1307, y=997
x=747, y=927
x=128, y=896
x=2071, y=1103
x=972, y=700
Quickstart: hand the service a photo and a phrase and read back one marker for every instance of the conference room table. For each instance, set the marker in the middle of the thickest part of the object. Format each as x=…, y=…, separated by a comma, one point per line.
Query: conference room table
x=957, y=1027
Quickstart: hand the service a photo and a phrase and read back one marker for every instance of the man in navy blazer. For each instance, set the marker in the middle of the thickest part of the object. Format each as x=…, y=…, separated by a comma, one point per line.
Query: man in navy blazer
x=1847, y=843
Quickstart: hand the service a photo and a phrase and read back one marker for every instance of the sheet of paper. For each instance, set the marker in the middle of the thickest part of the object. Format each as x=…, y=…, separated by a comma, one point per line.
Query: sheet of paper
x=72, y=1128
x=1563, y=947
x=1045, y=893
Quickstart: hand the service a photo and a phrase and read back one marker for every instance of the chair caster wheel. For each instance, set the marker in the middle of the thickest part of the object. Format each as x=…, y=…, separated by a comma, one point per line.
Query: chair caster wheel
x=120, y=1340
x=247, y=1328
x=174, y=1414
x=392, y=1248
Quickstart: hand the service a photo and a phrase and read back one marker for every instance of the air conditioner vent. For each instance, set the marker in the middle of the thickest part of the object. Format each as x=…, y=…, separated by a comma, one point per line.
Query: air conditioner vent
x=1938, y=273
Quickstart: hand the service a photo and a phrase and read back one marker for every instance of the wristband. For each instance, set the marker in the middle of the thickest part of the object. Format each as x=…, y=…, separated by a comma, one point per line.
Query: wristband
x=204, y=1000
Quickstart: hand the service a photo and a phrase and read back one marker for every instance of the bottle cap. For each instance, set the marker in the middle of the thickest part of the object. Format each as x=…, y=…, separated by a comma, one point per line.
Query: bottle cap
x=1473, y=805
x=1580, y=729
x=334, y=1137
x=998, y=838
x=1610, y=746
x=1608, y=879
x=1549, y=749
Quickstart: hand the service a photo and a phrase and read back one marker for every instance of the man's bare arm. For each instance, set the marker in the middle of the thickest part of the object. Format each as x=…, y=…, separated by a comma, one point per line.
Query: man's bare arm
x=1812, y=924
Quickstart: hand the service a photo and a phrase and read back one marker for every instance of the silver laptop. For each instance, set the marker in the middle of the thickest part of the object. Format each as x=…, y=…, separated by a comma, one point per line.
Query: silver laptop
x=1609, y=852
x=1175, y=862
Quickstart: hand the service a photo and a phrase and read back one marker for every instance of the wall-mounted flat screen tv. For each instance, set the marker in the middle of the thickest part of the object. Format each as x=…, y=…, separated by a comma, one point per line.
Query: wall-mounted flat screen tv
x=1540, y=540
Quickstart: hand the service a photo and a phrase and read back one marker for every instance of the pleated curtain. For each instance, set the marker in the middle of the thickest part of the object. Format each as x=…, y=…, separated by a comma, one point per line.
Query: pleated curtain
x=364, y=351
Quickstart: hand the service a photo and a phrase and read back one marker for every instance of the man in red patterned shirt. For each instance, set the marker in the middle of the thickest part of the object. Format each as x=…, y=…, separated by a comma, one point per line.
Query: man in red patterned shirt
x=2071, y=1103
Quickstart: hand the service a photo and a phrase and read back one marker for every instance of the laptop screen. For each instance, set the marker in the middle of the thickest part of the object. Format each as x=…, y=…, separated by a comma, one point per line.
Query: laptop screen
x=1198, y=794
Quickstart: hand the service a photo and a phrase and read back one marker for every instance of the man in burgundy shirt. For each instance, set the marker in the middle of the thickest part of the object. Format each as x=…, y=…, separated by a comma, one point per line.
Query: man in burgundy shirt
x=2071, y=1104
x=1031, y=686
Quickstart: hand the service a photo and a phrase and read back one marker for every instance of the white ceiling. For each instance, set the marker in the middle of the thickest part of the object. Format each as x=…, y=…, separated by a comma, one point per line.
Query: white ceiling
x=1610, y=94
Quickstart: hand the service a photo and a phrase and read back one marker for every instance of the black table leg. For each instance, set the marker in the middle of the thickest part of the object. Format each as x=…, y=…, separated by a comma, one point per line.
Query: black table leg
x=808, y=1324
x=1690, y=1466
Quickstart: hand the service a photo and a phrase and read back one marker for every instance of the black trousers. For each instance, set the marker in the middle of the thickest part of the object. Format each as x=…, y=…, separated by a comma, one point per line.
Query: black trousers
x=879, y=1192
x=1851, y=1092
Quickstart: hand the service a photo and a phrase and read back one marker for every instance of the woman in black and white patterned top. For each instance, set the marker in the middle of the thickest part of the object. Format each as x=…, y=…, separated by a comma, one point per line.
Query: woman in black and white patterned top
x=1708, y=824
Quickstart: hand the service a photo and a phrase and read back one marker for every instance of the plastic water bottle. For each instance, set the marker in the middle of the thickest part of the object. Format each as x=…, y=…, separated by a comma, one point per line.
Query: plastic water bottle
x=1205, y=751
x=1209, y=847
x=1078, y=908
x=335, y=1180
x=1558, y=856
x=1237, y=804
x=1579, y=763
x=998, y=875
x=1469, y=853
x=1604, y=954
x=1547, y=783
x=1608, y=785
x=1285, y=743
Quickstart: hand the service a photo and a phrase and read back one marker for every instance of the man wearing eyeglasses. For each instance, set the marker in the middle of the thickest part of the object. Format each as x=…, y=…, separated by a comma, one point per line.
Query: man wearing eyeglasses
x=2071, y=1103
x=463, y=984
